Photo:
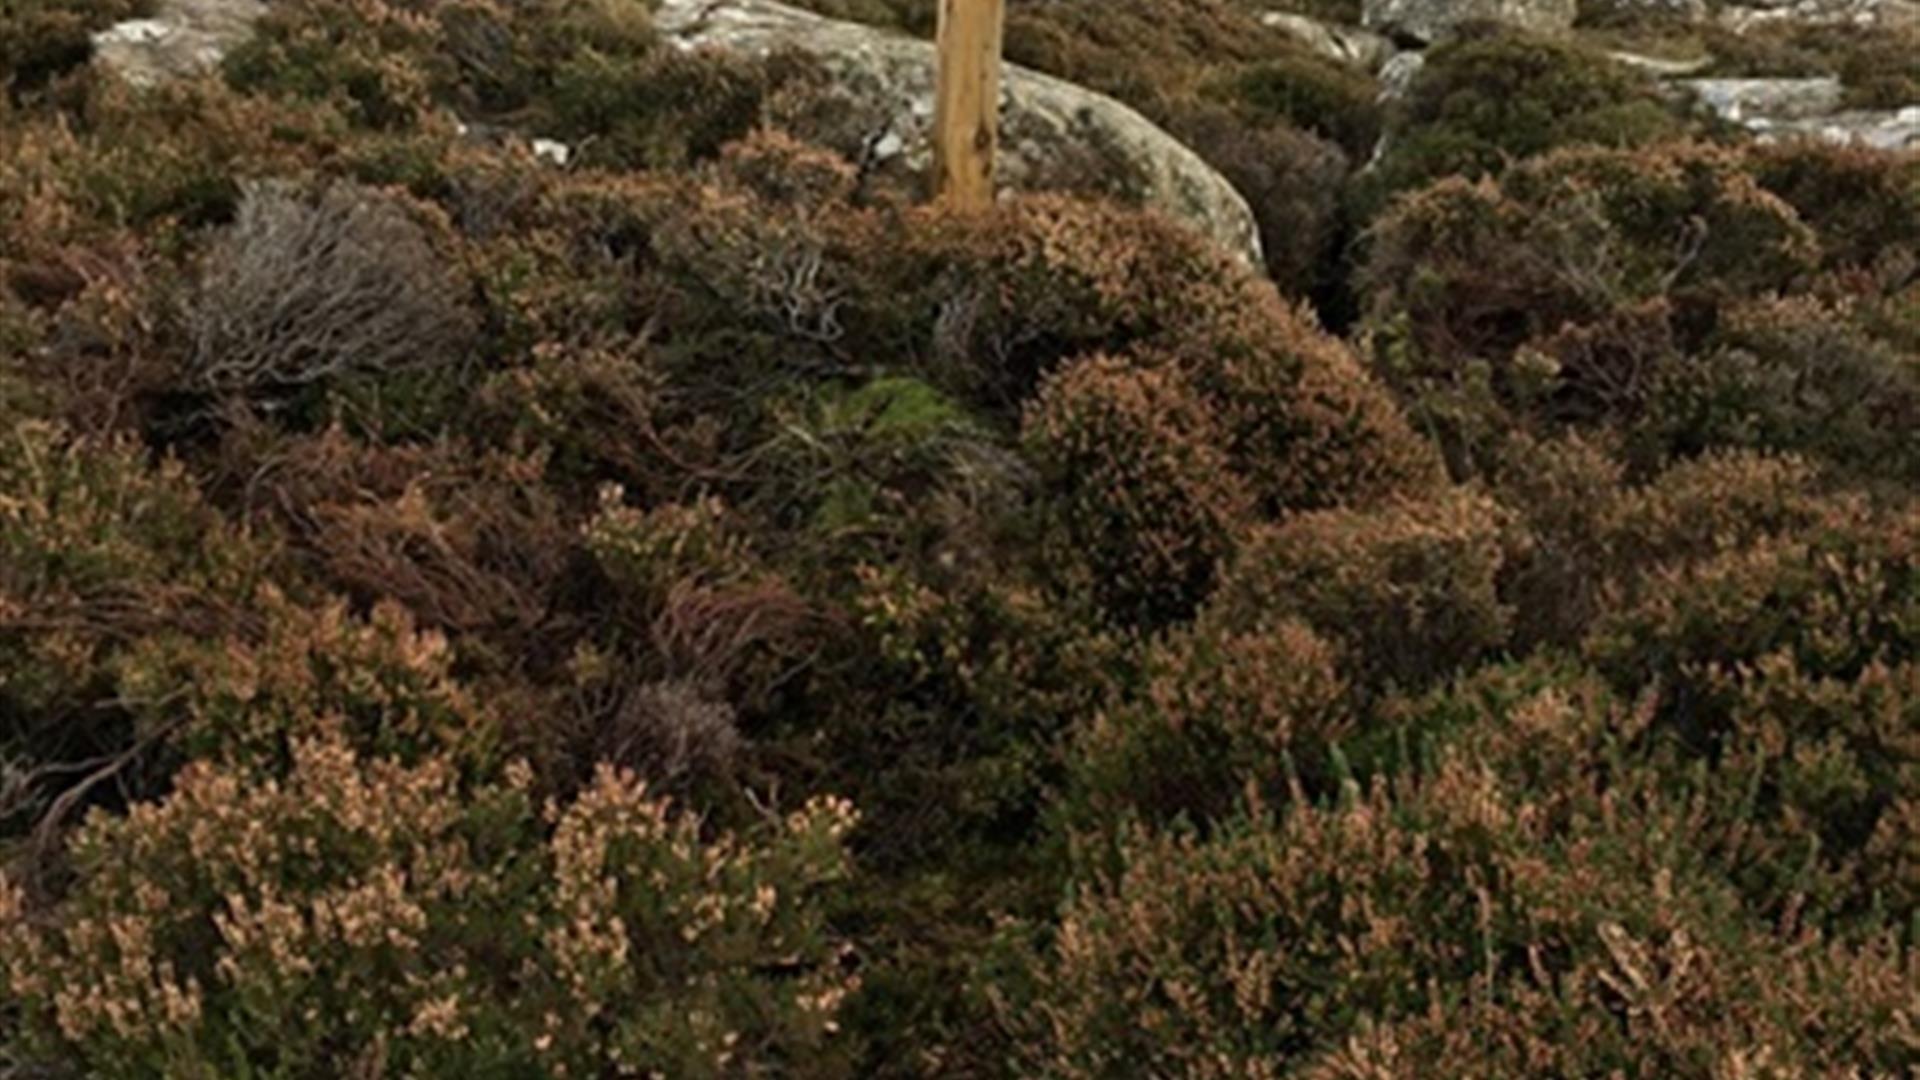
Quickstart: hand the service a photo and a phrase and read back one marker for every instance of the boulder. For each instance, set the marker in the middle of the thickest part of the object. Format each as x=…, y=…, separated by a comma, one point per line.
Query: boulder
x=182, y=39
x=1397, y=75
x=1428, y=21
x=1805, y=108
x=1344, y=44
x=1745, y=100
x=1865, y=14
x=1053, y=134
x=1661, y=67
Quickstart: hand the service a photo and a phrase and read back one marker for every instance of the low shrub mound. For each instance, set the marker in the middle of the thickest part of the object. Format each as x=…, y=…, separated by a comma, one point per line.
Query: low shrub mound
x=1491, y=98
x=1677, y=296
x=379, y=917
x=297, y=291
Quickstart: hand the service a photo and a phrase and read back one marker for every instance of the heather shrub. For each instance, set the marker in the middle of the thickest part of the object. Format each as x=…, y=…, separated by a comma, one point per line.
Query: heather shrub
x=1786, y=663
x=1483, y=101
x=1797, y=375
x=1561, y=492
x=984, y=309
x=891, y=468
x=1590, y=539
x=43, y=39
x=1135, y=611
x=387, y=66
x=1320, y=96
x=1408, y=590
x=1562, y=296
x=1562, y=934
x=689, y=590
x=1018, y=664
x=1292, y=181
x=1140, y=51
x=1131, y=463
x=1219, y=718
x=376, y=917
x=663, y=108
x=380, y=685
x=299, y=291
x=98, y=551
x=1861, y=204
x=470, y=542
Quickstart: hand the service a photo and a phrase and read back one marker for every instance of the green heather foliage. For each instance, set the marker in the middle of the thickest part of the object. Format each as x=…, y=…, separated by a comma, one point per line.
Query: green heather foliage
x=1685, y=297
x=696, y=612
x=1488, y=99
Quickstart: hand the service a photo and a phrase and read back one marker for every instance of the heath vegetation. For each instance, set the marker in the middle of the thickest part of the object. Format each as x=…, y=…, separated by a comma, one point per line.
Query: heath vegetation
x=683, y=614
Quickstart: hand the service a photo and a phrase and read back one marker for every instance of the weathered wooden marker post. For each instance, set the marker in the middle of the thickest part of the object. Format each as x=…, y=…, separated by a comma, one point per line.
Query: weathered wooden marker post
x=966, y=109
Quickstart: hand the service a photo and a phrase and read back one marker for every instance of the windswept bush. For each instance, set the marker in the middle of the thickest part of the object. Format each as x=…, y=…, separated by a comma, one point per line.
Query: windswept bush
x=1341, y=941
x=1131, y=462
x=1486, y=100
x=100, y=552
x=378, y=918
x=1665, y=295
x=43, y=39
x=303, y=289
x=1222, y=717
x=1408, y=590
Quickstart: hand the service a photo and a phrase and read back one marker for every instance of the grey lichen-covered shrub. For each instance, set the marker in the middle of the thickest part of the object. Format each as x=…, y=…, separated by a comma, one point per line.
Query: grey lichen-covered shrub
x=302, y=288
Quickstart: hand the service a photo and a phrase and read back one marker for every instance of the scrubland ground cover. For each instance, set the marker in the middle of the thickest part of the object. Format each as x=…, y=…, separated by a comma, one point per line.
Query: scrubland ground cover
x=683, y=615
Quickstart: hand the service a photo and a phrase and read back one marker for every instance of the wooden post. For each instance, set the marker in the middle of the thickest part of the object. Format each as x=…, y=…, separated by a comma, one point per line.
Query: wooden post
x=967, y=102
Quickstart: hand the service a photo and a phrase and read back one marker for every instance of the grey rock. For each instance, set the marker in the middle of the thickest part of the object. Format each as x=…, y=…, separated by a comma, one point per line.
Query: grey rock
x=1775, y=109
x=1885, y=129
x=1661, y=67
x=1397, y=75
x=183, y=39
x=1053, y=133
x=1345, y=44
x=1866, y=14
x=1430, y=21
x=1775, y=100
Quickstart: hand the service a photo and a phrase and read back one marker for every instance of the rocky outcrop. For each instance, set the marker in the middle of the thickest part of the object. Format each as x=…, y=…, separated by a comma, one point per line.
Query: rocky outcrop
x=1053, y=134
x=1661, y=67
x=183, y=38
x=1741, y=100
x=1344, y=44
x=1397, y=75
x=1783, y=108
x=1866, y=14
x=1430, y=21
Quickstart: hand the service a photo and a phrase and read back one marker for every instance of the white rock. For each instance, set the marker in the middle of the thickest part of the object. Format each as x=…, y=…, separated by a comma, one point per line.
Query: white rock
x=1660, y=66
x=552, y=150
x=1432, y=21
x=1345, y=44
x=182, y=39
x=1396, y=78
x=1773, y=99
